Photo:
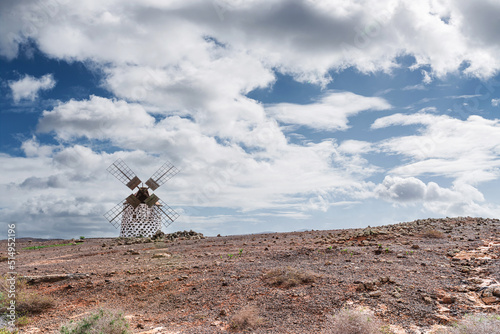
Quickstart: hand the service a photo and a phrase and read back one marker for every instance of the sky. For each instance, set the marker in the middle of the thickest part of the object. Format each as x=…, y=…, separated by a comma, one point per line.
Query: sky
x=281, y=115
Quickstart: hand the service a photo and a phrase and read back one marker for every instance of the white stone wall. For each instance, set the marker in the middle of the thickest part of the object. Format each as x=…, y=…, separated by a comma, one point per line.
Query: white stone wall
x=143, y=221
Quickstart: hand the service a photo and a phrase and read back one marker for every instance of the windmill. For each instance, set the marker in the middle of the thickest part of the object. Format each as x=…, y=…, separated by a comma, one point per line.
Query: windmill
x=142, y=213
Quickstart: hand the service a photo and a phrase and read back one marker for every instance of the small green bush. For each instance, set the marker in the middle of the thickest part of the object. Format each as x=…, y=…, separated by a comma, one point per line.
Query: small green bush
x=101, y=322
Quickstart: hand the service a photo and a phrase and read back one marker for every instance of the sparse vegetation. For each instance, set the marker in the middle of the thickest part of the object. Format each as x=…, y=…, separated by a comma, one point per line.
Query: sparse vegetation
x=45, y=246
x=27, y=302
x=247, y=318
x=101, y=322
x=82, y=237
x=433, y=234
x=476, y=324
x=289, y=277
x=354, y=321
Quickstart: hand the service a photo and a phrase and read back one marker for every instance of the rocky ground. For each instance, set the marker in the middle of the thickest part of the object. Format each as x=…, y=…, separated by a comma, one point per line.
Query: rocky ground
x=414, y=276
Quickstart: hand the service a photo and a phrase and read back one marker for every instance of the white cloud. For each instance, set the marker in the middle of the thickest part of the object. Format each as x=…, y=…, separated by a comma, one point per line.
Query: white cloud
x=179, y=72
x=464, y=151
x=460, y=199
x=331, y=112
x=401, y=189
x=468, y=150
x=28, y=87
x=322, y=35
x=227, y=175
x=495, y=102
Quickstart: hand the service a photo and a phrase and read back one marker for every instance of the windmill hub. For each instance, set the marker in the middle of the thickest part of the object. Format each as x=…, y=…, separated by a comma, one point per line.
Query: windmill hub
x=142, y=213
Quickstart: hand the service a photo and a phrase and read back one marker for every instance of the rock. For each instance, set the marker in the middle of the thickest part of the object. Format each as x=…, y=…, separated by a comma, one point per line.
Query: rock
x=490, y=300
x=384, y=279
x=448, y=299
x=396, y=294
x=161, y=255
x=50, y=278
x=375, y=294
x=427, y=299
x=158, y=235
x=496, y=291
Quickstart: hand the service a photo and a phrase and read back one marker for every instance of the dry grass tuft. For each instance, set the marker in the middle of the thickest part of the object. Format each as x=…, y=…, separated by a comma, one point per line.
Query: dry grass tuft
x=433, y=234
x=476, y=324
x=247, y=318
x=353, y=321
x=289, y=277
x=27, y=302
x=33, y=303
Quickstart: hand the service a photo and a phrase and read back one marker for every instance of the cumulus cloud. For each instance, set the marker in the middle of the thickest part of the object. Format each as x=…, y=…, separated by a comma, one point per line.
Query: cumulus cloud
x=28, y=87
x=459, y=199
x=179, y=73
x=331, y=112
x=401, y=189
x=461, y=149
x=303, y=38
x=495, y=102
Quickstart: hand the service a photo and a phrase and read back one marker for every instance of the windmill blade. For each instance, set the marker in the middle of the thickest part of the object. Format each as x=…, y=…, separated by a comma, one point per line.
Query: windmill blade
x=124, y=174
x=166, y=213
x=162, y=175
x=114, y=216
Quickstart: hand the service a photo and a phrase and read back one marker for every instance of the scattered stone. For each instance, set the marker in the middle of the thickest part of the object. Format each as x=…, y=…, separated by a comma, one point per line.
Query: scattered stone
x=490, y=300
x=427, y=299
x=448, y=299
x=375, y=294
x=161, y=255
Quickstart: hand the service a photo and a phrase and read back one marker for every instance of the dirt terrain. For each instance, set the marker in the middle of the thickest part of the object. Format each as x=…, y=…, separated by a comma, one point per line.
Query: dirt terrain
x=414, y=276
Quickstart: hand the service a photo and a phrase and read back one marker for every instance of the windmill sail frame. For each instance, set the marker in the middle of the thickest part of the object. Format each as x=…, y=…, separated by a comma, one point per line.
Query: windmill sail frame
x=141, y=214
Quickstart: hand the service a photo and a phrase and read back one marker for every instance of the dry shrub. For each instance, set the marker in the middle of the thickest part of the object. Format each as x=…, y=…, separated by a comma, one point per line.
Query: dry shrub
x=433, y=234
x=27, y=302
x=101, y=322
x=247, y=318
x=477, y=324
x=33, y=303
x=289, y=277
x=354, y=321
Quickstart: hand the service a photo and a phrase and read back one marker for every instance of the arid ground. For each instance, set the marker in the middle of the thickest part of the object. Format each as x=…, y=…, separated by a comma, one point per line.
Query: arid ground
x=414, y=276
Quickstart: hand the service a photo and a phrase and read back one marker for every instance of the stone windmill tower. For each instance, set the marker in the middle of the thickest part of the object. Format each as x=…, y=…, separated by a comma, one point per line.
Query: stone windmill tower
x=142, y=213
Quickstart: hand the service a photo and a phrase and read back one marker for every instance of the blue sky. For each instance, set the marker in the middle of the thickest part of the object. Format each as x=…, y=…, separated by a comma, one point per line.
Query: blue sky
x=281, y=115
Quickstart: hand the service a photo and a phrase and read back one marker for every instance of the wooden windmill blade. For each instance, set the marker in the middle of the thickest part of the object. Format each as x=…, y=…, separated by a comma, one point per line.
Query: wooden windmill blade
x=167, y=214
x=124, y=174
x=162, y=175
x=114, y=215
